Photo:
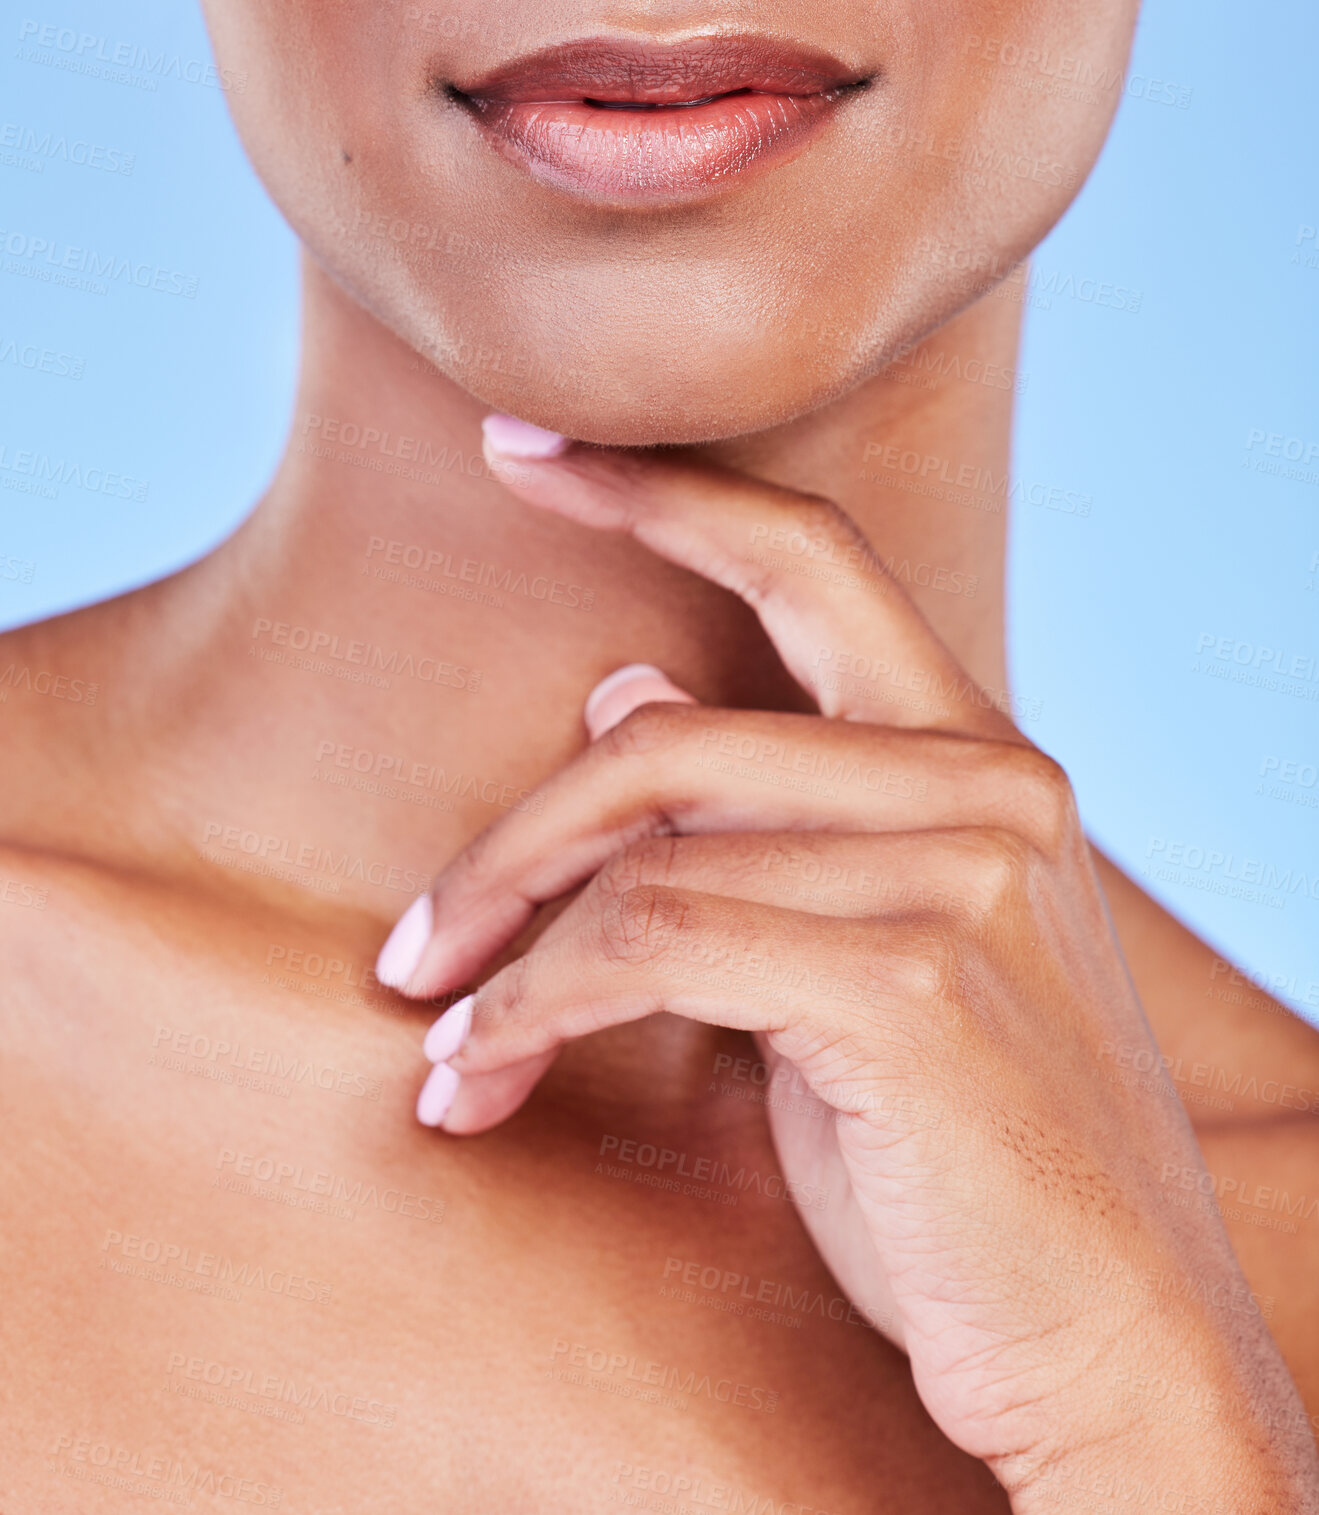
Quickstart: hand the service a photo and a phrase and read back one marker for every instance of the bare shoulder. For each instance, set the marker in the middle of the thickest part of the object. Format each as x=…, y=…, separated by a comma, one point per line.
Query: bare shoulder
x=55, y=676
x=1235, y=1054
x=54, y=666
x=1246, y=1069
x=65, y=684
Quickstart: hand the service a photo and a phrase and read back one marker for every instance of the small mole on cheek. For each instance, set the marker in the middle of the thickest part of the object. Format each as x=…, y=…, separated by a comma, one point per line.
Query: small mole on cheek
x=347, y=156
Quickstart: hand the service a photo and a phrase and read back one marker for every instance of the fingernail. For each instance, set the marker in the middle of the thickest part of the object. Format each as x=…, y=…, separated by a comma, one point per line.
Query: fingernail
x=437, y=1094
x=507, y=437
x=449, y=1032
x=407, y=941
x=625, y=689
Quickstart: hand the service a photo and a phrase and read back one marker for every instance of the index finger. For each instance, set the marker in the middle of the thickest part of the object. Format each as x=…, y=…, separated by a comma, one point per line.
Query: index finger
x=754, y=539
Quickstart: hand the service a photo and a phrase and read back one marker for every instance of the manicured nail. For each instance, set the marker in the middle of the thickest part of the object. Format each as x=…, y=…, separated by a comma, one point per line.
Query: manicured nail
x=449, y=1032
x=625, y=689
x=437, y=1094
x=507, y=437
x=407, y=941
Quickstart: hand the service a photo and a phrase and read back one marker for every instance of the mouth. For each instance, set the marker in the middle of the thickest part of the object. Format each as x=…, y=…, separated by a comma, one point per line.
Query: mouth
x=627, y=122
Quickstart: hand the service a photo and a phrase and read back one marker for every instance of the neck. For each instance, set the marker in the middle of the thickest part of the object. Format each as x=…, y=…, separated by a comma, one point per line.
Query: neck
x=451, y=628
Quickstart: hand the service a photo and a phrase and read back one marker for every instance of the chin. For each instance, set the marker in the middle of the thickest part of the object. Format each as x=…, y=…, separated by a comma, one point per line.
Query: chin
x=629, y=390
x=623, y=409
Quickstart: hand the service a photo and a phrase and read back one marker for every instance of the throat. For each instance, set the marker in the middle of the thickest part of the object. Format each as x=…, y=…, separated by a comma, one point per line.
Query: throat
x=383, y=661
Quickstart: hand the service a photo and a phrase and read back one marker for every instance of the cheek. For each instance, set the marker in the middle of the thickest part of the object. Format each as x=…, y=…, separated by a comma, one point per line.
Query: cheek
x=1002, y=111
x=319, y=80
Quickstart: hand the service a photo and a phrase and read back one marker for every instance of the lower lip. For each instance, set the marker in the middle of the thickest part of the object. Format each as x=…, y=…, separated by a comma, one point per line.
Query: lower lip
x=664, y=153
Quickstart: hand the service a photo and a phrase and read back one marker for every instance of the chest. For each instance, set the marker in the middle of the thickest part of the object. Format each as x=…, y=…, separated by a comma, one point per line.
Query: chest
x=238, y=1272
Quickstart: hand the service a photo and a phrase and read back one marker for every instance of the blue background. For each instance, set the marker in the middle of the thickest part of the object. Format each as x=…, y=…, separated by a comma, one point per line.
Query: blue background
x=1198, y=207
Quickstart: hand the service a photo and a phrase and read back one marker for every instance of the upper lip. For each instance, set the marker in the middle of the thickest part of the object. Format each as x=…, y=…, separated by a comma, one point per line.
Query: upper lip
x=638, y=72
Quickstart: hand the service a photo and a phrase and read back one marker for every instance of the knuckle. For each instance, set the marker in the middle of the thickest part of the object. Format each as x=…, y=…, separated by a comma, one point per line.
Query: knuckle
x=924, y=965
x=650, y=860
x=471, y=866
x=1002, y=866
x=1041, y=796
x=646, y=730
x=506, y=991
x=643, y=923
x=818, y=514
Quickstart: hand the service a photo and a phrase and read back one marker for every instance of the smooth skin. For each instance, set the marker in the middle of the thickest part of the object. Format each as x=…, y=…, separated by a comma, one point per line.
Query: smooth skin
x=235, y=1263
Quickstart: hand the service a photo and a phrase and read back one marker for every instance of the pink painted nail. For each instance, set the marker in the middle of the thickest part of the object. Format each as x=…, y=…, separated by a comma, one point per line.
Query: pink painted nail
x=449, y=1032
x=625, y=689
x=507, y=437
x=437, y=1094
x=407, y=941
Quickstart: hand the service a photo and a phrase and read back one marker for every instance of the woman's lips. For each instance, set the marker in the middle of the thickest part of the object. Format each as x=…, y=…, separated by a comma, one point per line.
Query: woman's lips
x=619, y=120
x=661, y=151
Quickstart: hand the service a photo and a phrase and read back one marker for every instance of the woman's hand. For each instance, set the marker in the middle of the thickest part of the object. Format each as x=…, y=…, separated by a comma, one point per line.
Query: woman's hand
x=896, y=898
